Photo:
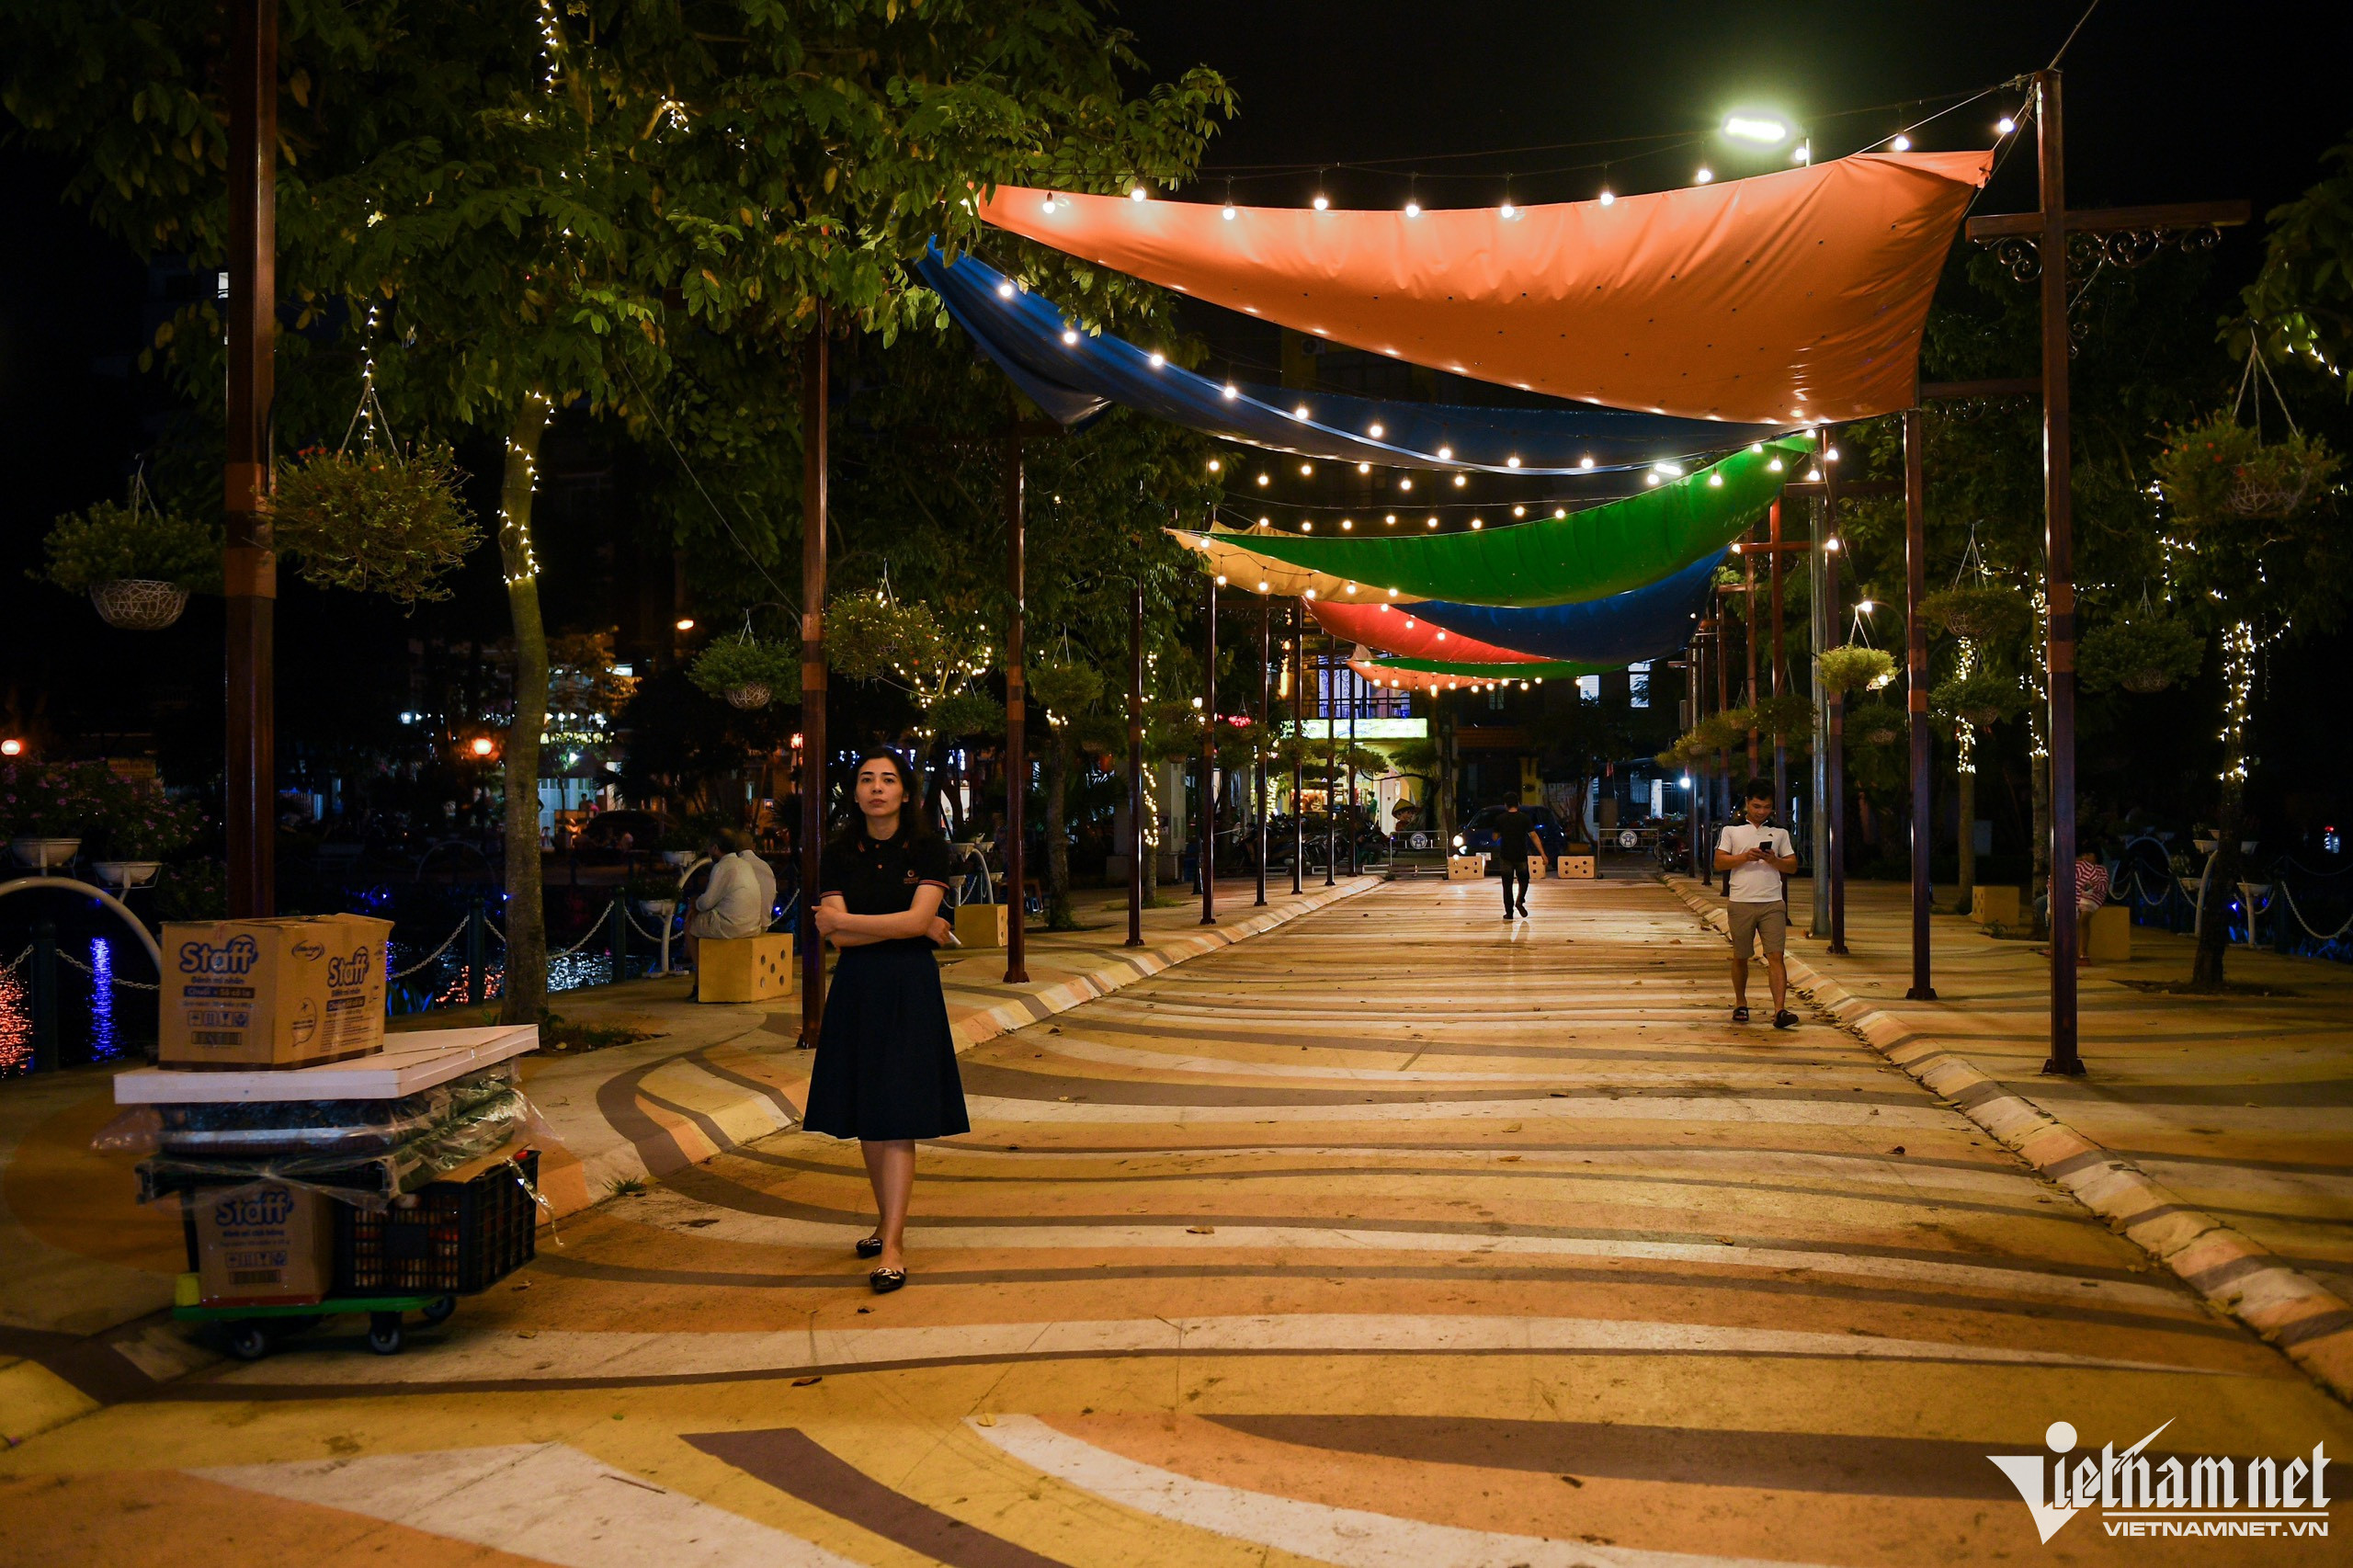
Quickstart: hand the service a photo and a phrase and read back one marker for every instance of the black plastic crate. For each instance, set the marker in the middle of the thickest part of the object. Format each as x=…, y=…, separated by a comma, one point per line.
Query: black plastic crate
x=456, y=1236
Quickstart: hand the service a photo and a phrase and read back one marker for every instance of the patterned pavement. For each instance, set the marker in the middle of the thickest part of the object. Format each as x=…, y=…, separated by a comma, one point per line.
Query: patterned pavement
x=1397, y=1237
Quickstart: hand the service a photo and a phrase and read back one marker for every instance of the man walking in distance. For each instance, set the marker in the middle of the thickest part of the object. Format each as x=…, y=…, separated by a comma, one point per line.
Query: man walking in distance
x=1516, y=840
x=1757, y=856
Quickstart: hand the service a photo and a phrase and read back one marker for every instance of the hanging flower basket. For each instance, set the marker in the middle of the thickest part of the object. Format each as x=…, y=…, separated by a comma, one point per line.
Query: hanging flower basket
x=128, y=874
x=747, y=671
x=44, y=855
x=2145, y=651
x=377, y=520
x=2218, y=469
x=138, y=564
x=1981, y=613
x=1854, y=668
x=1978, y=698
x=138, y=604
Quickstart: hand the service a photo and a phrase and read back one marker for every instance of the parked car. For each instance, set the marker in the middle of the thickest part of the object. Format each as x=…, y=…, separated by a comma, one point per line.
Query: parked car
x=1478, y=835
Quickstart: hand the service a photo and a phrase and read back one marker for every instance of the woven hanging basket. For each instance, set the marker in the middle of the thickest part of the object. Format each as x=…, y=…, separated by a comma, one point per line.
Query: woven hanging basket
x=138, y=604
x=1883, y=736
x=750, y=696
x=2146, y=681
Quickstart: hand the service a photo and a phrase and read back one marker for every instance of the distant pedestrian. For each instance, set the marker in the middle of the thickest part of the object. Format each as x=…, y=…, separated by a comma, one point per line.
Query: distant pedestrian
x=885, y=1073
x=1758, y=855
x=1516, y=840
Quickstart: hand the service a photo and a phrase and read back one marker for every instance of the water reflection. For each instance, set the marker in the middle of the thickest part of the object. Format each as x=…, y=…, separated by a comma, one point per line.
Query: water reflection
x=105, y=1042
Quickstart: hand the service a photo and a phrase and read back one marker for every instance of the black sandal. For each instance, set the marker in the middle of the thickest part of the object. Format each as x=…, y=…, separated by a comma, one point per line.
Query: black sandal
x=886, y=1280
x=1740, y=1014
x=869, y=1246
x=1785, y=1019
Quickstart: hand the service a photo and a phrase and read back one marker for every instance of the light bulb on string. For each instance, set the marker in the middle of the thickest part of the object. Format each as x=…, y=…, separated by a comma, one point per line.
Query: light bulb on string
x=1158, y=359
x=2005, y=125
x=1703, y=175
x=1137, y=193
x=1323, y=203
x=1404, y=485
x=1461, y=480
x=1608, y=197
x=1899, y=143
x=1005, y=289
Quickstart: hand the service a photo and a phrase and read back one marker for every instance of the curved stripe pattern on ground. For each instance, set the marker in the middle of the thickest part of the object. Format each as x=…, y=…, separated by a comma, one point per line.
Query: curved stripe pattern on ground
x=1401, y=1235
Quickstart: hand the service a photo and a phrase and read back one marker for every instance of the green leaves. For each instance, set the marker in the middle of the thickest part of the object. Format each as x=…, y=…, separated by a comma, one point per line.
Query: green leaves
x=1854, y=667
x=110, y=542
x=374, y=521
x=734, y=666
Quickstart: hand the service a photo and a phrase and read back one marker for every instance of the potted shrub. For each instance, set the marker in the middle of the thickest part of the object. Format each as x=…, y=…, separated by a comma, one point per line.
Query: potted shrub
x=375, y=521
x=143, y=824
x=2144, y=651
x=746, y=670
x=49, y=807
x=1854, y=668
x=138, y=564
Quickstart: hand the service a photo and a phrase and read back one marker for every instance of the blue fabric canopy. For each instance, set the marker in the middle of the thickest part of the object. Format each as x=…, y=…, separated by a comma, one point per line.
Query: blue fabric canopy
x=1075, y=375
x=1623, y=628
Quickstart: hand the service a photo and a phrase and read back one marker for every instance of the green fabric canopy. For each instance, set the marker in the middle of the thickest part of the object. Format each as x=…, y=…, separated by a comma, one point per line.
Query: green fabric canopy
x=1556, y=669
x=1587, y=555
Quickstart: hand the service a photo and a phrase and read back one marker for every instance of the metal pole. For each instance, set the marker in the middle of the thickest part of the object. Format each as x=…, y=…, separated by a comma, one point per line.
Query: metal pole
x=1749, y=644
x=1017, y=719
x=1356, y=700
x=1780, y=742
x=477, y=952
x=1209, y=767
x=249, y=564
x=1298, y=755
x=815, y=397
x=1136, y=847
x=2059, y=582
x=620, y=934
x=1695, y=679
x=1817, y=639
x=1266, y=730
x=1834, y=764
x=1915, y=686
x=1331, y=740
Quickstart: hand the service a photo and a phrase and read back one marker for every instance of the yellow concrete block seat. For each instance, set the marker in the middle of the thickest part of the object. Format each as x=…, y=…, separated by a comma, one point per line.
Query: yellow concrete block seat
x=1997, y=908
x=745, y=969
x=2105, y=936
x=1577, y=866
x=1465, y=867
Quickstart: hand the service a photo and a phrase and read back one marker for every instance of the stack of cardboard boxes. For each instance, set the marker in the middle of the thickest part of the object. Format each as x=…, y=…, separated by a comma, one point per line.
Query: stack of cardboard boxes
x=258, y=994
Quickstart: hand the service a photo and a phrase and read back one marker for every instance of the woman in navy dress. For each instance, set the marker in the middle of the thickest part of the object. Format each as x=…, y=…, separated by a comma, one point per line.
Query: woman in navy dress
x=886, y=1062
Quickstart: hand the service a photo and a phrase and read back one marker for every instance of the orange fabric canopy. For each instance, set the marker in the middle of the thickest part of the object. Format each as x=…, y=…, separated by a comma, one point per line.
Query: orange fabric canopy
x=1790, y=296
x=1402, y=632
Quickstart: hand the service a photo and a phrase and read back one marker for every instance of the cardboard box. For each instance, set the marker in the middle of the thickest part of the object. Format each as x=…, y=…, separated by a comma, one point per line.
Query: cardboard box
x=981, y=925
x=745, y=969
x=260, y=1245
x=1465, y=867
x=283, y=993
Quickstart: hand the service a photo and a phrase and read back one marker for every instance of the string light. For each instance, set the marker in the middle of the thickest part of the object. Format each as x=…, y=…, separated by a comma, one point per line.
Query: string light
x=1228, y=212
x=1137, y=193
x=1300, y=413
x=1461, y=480
x=1215, y=465
x=1264, y=479
x=1306, y=470
x=1005, y=289
x=1391, y=519
x=1346, y=526
x=1322, y=203
x=1307, y=524
x=1413, y=208
x=1404, y=485
x=1585, y=463
x=1475, y=524
x=1512, y=461
x=1373, y=431
x=1507, y=211
x=1704, y=174
x=1231, y=391
x=1560, y=511
x=1070, y=334
x=1608, y=197
x=2005, y=125
x=1900, y=144
x=1519, y=511
x=1433, y=522
x=1364, y=468
x=1158, y=359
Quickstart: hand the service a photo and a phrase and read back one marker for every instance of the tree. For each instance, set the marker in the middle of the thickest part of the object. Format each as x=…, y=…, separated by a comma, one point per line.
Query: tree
x=538, y=208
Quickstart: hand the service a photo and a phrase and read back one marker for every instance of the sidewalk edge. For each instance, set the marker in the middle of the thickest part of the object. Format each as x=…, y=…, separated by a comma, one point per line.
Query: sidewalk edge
x=2302, y=1318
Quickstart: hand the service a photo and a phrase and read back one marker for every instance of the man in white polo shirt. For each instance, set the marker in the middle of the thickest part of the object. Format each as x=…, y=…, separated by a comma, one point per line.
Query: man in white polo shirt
x=1757, y=856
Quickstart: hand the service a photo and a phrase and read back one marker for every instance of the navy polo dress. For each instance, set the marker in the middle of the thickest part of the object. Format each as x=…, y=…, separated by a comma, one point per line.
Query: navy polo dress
x=886, y=1061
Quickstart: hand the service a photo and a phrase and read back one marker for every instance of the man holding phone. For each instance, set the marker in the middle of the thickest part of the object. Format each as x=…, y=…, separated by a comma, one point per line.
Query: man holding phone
x=1757, y=856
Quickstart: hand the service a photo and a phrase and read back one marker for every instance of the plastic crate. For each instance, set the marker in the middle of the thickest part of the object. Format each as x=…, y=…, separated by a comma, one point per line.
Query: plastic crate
x=458, y=1236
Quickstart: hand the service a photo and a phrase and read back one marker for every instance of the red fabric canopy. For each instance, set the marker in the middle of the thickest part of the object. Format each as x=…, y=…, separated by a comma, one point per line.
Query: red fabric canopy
x=1790, y=296
x=1402, y=632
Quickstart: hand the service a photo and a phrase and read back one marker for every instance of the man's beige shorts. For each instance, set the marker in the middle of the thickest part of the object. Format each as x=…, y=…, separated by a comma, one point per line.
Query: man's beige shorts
x=1751, y=921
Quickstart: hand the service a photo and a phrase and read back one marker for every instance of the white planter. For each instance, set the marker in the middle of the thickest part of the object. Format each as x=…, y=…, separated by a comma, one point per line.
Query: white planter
x=44, y=854
x=128, y=874
x=659, y=908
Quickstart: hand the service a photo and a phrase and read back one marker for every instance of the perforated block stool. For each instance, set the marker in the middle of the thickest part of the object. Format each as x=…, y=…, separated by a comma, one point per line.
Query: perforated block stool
x=981, y=925
x=1580, y=866
x=745, y=969
x=1996, y=908
x=2105, y=936
x=1465, y=867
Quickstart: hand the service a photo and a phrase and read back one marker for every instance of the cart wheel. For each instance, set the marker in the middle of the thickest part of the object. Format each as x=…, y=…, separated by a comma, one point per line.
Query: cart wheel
x=249, y=1341
x=385, y=1333
x=439, y=1311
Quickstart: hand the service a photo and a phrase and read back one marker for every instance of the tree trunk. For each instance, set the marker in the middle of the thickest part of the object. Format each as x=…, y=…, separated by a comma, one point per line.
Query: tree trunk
x=523, y=997
x=1152, y=835
x=2039, y=772
x=1445, y=771
x=1055, y=765
x=1965, y=894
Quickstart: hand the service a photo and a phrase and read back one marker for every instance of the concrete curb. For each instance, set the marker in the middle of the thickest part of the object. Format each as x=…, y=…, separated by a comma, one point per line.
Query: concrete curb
x=2311, y=1323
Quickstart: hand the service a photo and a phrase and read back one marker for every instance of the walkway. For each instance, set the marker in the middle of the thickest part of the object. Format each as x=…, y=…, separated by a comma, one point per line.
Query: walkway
x=1398, y=1237
x=2216, y=1131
